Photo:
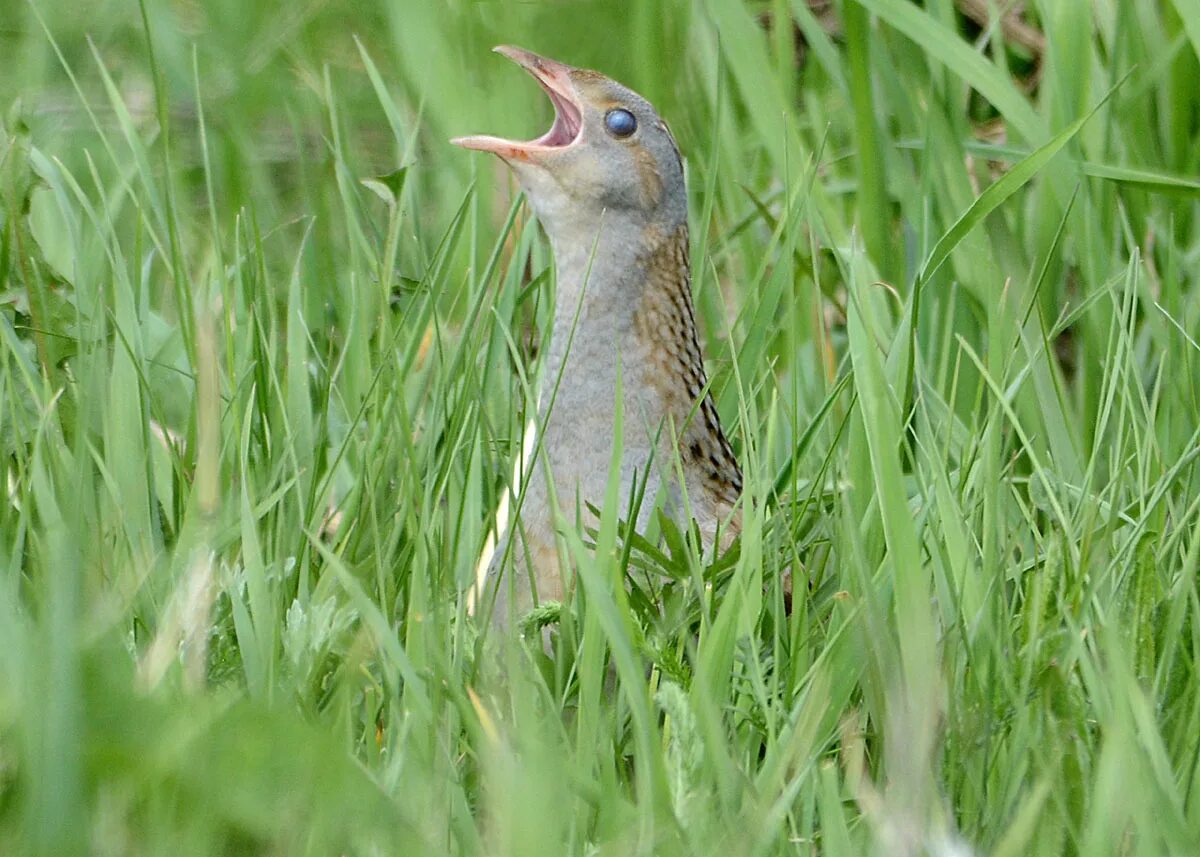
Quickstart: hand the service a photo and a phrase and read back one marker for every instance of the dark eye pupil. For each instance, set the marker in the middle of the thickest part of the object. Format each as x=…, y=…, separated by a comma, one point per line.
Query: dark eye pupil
x=620, y=123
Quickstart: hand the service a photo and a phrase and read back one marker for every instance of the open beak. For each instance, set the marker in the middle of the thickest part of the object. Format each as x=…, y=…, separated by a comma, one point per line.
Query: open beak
x=555, y=78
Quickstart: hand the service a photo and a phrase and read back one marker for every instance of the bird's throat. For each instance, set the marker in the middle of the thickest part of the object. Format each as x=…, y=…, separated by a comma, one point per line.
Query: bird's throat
x=621, y=297
x=624, y=319
x=624, y=362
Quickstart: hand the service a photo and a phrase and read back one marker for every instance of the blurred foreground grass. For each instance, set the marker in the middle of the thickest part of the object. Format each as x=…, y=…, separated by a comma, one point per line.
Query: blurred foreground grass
x=261, y=335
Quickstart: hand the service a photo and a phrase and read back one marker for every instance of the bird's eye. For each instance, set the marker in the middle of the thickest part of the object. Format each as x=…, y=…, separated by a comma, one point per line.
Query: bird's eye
x=620, y=123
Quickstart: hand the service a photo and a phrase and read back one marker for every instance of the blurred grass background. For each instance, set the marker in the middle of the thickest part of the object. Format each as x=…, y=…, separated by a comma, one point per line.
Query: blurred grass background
x=261, y=339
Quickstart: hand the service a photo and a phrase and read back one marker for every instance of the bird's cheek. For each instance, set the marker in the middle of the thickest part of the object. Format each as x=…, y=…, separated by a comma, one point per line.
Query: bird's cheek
x=649, y=181
x=583, y=177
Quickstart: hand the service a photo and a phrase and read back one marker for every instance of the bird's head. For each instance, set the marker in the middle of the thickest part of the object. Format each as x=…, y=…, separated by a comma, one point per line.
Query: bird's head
x=607, y=156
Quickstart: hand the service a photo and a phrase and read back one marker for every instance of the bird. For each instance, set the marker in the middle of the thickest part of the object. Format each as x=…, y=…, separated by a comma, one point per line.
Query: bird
x=607, y=184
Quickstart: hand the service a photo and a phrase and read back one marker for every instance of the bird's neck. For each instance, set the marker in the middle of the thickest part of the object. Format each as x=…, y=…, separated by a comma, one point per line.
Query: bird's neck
x=624, y=305
x=604, y=274
x=624, y=310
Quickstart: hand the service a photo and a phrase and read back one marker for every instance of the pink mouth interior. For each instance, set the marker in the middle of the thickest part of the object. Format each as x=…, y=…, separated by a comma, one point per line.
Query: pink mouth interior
x=567, y=122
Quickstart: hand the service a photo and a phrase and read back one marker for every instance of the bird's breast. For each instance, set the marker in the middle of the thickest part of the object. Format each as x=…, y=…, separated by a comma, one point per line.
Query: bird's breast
x=580, y=407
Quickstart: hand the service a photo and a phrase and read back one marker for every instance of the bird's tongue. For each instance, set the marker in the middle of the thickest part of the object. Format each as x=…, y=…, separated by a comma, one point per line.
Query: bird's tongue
x=555, y=79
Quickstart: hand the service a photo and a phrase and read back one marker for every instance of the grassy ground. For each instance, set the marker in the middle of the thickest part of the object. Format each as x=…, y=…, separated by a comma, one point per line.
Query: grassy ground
x=261, y=338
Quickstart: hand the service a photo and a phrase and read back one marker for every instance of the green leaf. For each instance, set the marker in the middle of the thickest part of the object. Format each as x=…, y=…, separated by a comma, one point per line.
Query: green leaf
x=997, y=193
x=946, y=47
x=387, y=187
x=1151, y=181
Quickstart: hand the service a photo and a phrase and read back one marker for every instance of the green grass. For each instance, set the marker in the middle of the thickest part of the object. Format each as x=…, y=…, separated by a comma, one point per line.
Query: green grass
x=263, y=358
